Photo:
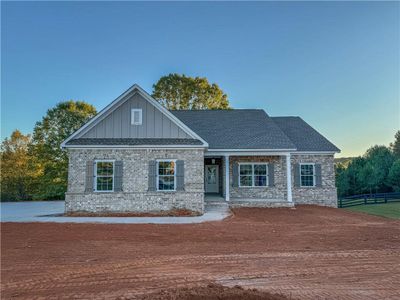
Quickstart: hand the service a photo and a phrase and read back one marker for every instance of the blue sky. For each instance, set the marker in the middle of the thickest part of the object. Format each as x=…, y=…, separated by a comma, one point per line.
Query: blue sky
x=335, y=64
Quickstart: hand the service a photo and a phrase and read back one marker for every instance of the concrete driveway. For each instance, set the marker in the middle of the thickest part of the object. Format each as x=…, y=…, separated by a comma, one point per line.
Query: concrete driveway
x=47, y=211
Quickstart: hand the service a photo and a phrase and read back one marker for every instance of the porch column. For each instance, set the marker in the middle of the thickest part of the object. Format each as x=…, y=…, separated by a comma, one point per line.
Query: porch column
x=226, y=177
x=289, y=178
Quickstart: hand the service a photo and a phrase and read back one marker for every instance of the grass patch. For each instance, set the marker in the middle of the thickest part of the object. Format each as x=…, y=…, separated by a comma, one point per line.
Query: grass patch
x=388, y=210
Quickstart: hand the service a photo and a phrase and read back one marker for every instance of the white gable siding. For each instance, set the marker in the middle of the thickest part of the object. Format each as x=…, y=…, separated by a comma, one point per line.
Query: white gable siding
x=118, y=123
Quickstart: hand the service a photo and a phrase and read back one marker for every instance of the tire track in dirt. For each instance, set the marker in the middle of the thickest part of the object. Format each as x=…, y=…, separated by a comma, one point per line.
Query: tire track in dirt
x=277, y=269
x=309, y=253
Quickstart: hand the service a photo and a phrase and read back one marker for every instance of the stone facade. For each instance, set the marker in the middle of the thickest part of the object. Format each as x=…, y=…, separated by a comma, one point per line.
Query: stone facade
x=277, y=192
x=326, y=194
x=135, y=196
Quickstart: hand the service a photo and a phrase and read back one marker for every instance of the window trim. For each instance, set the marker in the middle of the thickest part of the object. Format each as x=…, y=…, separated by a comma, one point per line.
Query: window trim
x=314, y=179
x=95, y=175
x=158, y=175
x=252, y=175
x=133, y=110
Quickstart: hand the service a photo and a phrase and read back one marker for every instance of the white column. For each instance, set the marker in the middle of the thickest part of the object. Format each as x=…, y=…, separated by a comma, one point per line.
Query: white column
x=289, y=178
x=226, y=177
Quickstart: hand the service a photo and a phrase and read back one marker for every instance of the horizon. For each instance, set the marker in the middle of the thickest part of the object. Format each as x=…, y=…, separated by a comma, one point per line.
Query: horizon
x=333, y=64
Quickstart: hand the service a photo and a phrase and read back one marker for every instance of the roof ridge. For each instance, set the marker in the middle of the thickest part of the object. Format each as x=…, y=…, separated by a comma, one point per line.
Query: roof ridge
x=233, y=109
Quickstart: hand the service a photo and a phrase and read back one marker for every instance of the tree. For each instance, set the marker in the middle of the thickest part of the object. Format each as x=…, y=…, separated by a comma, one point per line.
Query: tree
x=395, y=146
x=58, y=123
x=379, y=160
x=176, y=91
x=342, y=180
x=394, y=176
x=353, y=173
x=16, y=173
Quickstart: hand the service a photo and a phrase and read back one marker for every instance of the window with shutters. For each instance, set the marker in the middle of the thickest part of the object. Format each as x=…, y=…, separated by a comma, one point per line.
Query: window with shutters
x=307, y=175
x=253, y=174
x=166, y=175
x=104, y=175
x=136, y=116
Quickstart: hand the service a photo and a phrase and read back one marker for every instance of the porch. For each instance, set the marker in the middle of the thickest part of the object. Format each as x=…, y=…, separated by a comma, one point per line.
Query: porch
x=257, y=180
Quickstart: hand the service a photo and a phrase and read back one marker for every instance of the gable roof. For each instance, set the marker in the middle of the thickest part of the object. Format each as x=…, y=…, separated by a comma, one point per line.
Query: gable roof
x=236, y=129
x=120, y=100
x=303, y=136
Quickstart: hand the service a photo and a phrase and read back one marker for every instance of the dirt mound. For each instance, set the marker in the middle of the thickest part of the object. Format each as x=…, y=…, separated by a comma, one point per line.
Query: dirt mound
x=213, y=292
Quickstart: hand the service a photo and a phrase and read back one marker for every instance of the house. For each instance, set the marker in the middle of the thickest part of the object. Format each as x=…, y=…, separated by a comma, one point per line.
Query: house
x=136, y=156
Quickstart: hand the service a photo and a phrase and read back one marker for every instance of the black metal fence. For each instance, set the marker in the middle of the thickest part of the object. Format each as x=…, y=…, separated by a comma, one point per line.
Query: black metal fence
x=366, y=199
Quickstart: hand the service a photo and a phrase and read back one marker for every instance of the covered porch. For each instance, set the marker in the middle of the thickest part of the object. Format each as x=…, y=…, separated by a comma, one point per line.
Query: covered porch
x=251, y=179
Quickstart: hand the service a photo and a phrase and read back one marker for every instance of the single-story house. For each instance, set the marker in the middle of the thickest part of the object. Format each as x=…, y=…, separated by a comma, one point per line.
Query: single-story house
x=137, y=156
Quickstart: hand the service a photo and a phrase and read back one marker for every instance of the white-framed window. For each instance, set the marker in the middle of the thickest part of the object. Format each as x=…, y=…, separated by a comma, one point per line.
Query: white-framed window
x=307, y=175
x=166, y=175
x=136, y=116
x=104, y=175
x=253, y=174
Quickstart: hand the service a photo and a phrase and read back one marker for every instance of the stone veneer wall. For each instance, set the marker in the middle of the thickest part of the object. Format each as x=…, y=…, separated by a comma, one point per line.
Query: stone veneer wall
x=277, y=192
x=326, y=194
x=135, y=197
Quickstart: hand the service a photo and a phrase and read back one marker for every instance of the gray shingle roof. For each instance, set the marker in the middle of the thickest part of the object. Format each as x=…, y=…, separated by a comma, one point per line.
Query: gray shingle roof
x=133, y=142
x=303, y=135
x=235, y=129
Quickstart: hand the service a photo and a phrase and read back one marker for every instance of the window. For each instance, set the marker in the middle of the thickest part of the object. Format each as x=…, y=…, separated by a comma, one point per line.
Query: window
x=104, y=176
x=307, y=175
x=251, y=175
x=136, y=116
x=166, y=175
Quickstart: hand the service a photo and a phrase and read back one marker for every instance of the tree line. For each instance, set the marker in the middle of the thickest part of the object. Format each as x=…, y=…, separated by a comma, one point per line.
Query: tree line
x=34, y=167
x=377, y=171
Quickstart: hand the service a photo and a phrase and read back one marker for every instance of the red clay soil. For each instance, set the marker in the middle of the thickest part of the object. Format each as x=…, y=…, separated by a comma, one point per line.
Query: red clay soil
x=303, y=253
x=213, y=292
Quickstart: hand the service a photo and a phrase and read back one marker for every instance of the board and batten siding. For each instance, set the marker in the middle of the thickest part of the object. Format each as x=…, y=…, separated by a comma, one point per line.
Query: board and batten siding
x=118, y=123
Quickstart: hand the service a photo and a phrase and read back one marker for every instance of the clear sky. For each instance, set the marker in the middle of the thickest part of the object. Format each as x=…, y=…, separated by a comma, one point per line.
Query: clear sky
x=335, y=64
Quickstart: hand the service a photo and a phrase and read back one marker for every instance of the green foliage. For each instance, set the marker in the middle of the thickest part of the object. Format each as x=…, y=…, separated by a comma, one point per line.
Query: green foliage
x=47, y=156
x=377, y=171
x=176, y=91
x=395, y=146
x=394, y=176
x=374, y=175
x=16, y=174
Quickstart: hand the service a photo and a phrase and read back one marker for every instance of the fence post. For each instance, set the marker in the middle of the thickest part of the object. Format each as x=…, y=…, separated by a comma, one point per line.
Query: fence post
x=385, y=198
x=365, y=200
x=340, y=202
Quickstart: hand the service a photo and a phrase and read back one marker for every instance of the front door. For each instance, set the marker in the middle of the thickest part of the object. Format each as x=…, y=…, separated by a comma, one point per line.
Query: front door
x=211, y=180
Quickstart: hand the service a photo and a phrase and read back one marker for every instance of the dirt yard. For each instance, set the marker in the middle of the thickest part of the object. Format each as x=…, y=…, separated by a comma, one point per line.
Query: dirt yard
x=303, y=253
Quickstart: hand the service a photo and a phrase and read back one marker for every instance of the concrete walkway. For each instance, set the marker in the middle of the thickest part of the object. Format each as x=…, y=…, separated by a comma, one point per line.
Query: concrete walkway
x=46, y=211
